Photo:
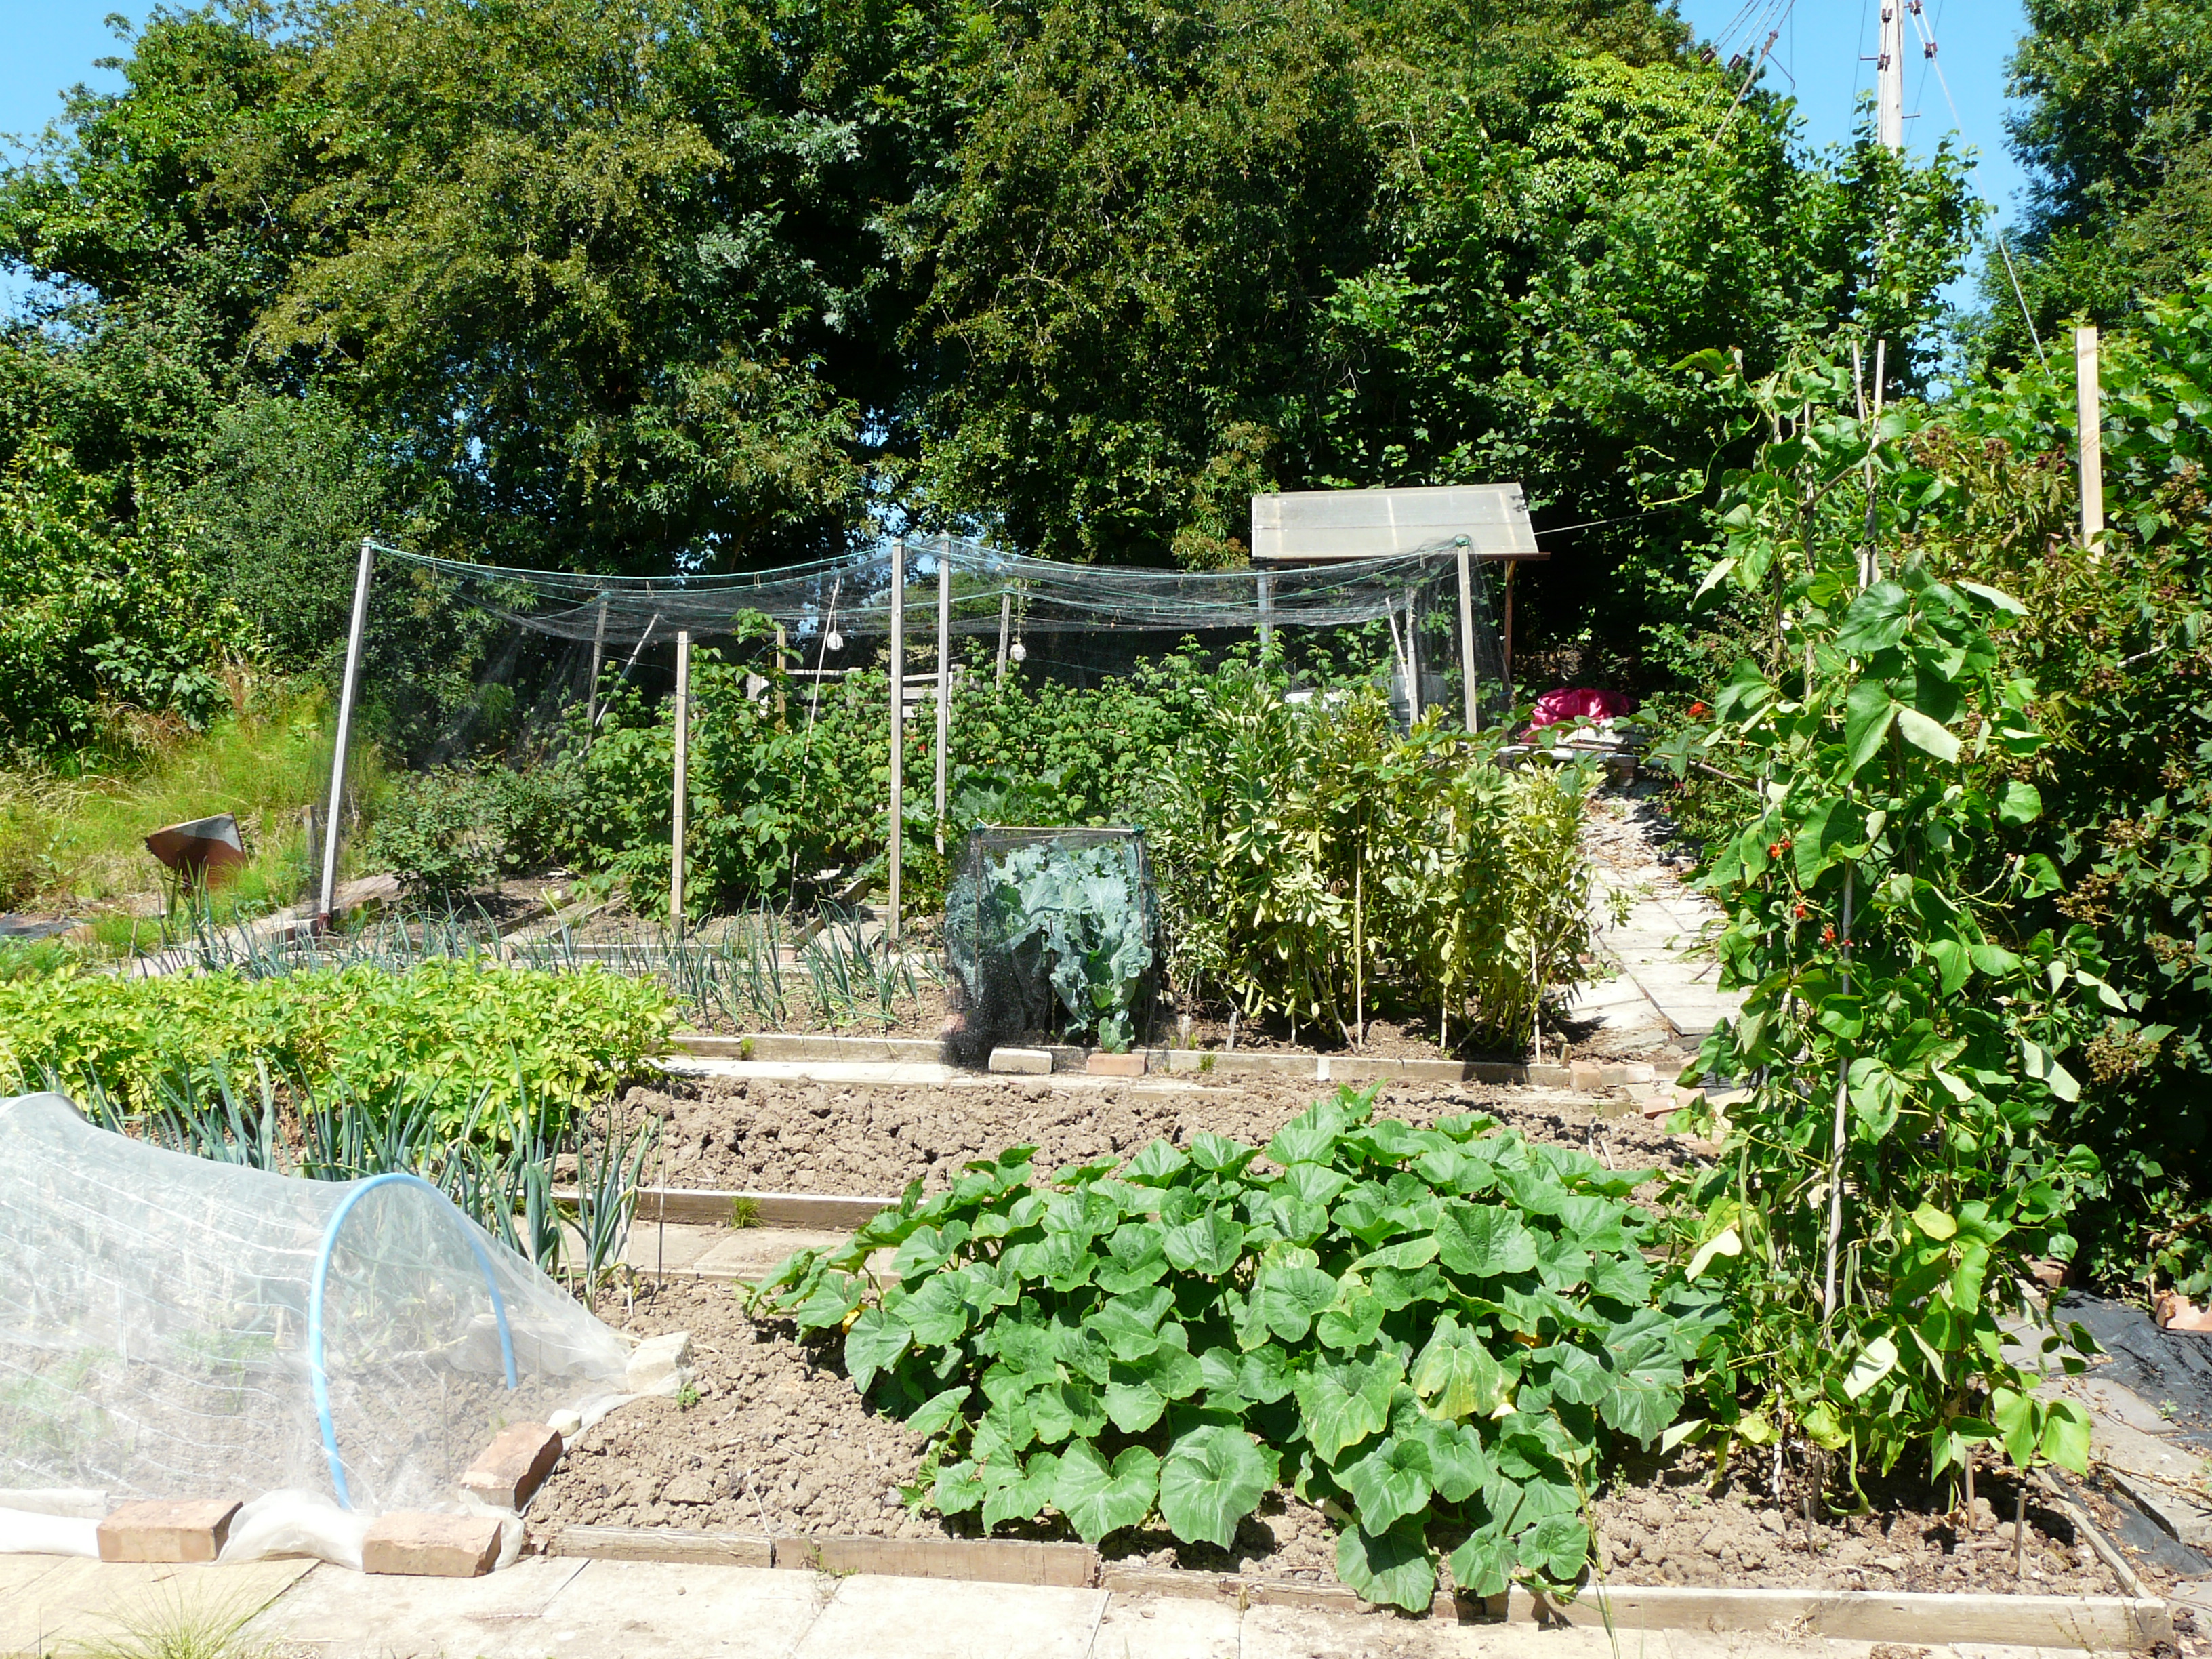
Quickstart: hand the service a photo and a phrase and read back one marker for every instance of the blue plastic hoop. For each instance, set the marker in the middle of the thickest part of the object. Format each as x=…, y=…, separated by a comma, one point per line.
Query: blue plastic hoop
x=317, y=1375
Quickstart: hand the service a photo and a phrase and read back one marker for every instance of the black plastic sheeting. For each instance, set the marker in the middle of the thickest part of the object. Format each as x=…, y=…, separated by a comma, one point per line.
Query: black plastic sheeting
x=2171, y=1369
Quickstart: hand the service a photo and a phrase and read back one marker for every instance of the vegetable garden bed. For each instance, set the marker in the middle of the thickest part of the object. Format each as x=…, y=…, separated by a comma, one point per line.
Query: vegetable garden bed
x=777, y=1135
x=778, y=1442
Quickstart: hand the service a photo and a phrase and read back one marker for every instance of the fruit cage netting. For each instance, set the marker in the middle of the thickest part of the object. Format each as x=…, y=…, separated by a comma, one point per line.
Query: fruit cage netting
x=465, y=663
x=174, y=1326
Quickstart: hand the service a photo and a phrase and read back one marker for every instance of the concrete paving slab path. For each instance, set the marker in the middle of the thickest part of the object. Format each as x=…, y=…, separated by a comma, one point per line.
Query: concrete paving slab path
x=563, y=1608
x=551, y=1607
x=65, y=1602
x=1665, y=985
x=1167, y=1627
x=897, y=1619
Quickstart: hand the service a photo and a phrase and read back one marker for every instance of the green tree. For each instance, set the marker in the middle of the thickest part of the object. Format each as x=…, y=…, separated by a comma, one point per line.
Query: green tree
x=96, y=624
x=1132, y=259
x=612, y=271
x=1578, y=235
x=284, y=489
x=2117, y=135
x=1147, y=206
x=151, y=254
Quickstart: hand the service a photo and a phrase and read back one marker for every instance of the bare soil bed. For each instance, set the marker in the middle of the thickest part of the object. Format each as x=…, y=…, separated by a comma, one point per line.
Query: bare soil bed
x=778, y=1440
x=759, y=1134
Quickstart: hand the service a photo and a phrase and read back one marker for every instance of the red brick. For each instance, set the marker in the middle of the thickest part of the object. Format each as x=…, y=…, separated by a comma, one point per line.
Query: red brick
x=192, y=1530
x=1105, y=1064
x=431, y=1545
x=515, y=1465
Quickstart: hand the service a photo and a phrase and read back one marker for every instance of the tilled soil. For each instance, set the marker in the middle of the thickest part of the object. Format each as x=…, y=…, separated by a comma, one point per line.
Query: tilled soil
x=760, y=1134
x=778, y=1440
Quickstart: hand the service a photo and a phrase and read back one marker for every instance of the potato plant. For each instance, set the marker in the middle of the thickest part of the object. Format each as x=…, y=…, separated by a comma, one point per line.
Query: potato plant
x=468, y=1040
x=1317, y=865
x=1435, y=1333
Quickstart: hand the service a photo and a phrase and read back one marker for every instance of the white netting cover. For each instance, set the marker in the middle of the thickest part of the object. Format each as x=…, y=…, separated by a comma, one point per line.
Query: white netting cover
x=174, y=1326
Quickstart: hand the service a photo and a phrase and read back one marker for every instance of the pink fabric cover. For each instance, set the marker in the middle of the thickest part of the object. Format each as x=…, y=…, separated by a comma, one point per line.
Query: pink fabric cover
x=1571, y=703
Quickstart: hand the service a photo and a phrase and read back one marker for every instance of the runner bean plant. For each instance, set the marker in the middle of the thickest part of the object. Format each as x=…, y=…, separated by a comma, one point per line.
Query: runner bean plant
x=1885, y=1186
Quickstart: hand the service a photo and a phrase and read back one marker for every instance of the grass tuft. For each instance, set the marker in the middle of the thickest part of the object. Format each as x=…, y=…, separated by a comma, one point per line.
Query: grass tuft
x=181, y=1627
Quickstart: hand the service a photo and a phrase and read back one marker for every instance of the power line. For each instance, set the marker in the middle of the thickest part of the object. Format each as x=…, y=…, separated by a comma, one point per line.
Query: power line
x=1789, y=8
x=1958, y=125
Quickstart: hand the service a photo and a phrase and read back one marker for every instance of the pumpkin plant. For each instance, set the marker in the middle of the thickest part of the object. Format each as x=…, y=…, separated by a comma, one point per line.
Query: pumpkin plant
x=1435, y=1333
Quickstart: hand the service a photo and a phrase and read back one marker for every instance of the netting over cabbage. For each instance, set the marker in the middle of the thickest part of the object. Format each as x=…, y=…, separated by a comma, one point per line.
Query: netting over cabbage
x=172, y=1327
x=1053, y=932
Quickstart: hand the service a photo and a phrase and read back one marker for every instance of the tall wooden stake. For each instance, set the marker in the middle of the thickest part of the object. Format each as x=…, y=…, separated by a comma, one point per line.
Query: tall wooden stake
x=1505, y=646
x=944, y=675
x=1467, y=635
x=782, y=644
x=1413, y=654
x=2089, y=420
x=679, y=813
x=897, y=843
x=1006, y=622
x=346, y=690
x=599, y=660
x=1839, y=1135
x=1267, y=613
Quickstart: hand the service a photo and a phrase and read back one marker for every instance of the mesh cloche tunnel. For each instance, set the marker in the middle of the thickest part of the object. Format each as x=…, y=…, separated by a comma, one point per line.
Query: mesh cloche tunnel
x=172, y=1327
x=1053, y=933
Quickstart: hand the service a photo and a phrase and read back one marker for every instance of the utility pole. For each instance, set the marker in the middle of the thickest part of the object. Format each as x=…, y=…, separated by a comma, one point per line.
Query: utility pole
x=1889, y=76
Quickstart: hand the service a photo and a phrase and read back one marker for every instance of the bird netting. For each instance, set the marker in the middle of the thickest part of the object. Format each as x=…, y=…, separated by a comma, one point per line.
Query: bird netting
x=854, y=595
x=569, y=638
x=174, y=1326
x=544, y=668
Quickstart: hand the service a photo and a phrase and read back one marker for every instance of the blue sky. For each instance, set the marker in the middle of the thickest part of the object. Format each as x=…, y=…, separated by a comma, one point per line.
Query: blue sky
x=51, y=46
x=1825, y=59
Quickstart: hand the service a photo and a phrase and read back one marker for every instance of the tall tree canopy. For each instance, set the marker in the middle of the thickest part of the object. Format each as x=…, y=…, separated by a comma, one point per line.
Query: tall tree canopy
x=675, y=283
x=2117, y=134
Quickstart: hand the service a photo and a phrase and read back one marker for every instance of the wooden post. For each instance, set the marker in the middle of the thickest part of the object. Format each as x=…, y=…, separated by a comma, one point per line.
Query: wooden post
x=898, y=728
x=2089, y=419
x=1466, y=634
x=944, y=675
x=1505, y=647
x=348, y=688
x=1267, y=613
x=1413, y=654
x=682, y=785
x=782, y=642
x=1005, y=620
x=599, y=658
